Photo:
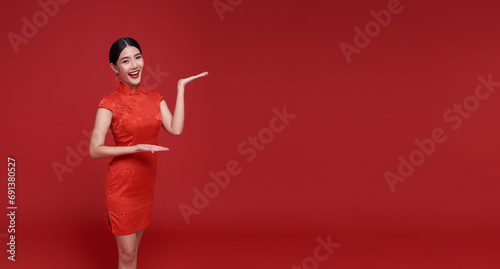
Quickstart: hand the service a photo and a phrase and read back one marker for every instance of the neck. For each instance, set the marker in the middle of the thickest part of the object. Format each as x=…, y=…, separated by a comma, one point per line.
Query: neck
x=131, y=86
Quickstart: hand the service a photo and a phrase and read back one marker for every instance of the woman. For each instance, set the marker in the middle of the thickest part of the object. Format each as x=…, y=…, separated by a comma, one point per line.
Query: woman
x=134, y=115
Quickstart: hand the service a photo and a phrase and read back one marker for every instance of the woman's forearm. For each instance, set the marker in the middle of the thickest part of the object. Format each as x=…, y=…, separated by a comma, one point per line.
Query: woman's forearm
x=176, y=125
x=100, y=152
x=178, y=117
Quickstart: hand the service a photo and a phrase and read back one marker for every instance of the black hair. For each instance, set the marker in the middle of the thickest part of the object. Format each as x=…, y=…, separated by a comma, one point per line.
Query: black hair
x=119, y=45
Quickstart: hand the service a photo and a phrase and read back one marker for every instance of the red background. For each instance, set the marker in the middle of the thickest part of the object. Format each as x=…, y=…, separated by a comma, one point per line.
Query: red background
x=323, y=175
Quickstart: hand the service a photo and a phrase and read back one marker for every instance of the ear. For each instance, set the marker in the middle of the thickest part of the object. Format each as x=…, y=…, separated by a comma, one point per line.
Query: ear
x=113, y=66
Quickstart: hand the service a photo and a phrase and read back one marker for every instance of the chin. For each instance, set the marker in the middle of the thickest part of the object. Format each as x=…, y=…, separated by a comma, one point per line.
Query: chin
x=134, y=83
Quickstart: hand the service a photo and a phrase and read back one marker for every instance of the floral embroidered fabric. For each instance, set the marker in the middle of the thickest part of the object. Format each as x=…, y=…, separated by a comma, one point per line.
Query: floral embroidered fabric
x=130, y=179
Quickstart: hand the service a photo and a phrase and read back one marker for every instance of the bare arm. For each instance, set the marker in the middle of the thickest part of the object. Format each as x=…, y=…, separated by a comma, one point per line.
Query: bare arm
x=97, y=148
x=175, y=124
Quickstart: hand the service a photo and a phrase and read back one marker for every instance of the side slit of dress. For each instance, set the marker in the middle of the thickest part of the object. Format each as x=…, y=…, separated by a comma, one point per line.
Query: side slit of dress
x=109, y=222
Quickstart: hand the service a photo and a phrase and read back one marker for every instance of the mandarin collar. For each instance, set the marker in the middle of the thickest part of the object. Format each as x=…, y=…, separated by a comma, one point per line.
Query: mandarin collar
x=128, y=90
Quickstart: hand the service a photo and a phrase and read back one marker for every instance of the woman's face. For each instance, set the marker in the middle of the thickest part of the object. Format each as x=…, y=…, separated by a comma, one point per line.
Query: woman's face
x=129, y=66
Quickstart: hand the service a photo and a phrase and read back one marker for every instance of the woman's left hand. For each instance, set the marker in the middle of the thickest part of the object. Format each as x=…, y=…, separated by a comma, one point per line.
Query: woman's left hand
x=185, y=81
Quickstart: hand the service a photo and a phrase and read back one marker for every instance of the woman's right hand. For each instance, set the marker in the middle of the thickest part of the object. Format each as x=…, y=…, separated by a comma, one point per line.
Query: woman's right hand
x=149, y=148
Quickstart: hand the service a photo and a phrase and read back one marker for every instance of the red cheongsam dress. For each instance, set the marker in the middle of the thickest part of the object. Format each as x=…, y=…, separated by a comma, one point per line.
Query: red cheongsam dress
x=130, y=178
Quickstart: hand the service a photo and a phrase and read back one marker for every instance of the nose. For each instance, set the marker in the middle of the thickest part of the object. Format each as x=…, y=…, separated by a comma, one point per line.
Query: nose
x=134, y=64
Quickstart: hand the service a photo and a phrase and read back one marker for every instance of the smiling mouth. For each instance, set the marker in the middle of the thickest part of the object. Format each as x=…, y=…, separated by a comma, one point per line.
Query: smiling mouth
x=134, y=74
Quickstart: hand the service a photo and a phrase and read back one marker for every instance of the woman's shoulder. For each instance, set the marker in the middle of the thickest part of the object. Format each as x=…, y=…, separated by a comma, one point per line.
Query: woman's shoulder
x=153, y=93
x=108, y=100
x=111, y=95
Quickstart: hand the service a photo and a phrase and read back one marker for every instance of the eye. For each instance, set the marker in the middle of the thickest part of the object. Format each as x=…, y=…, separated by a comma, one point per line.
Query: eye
x=138, y=57
x=126, y=61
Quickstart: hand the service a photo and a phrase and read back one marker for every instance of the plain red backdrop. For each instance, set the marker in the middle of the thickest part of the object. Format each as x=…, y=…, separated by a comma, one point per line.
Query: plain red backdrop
x=323, y=175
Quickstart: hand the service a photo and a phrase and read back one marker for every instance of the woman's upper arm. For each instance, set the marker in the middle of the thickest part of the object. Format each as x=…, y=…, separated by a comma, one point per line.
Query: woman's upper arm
x=102, y=122
x=166, y=116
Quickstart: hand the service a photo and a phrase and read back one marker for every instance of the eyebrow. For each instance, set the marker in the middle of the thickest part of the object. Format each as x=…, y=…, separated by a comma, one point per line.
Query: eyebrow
x=126, y=57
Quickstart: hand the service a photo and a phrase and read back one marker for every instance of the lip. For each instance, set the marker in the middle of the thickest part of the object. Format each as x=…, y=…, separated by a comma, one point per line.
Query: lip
x=136, y=75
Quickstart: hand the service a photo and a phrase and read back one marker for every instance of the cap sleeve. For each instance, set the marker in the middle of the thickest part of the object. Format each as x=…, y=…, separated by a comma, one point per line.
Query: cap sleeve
x=157, y=96
x=106, y=103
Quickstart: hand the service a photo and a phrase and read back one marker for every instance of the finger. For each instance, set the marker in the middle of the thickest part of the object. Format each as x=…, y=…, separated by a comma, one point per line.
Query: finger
x=200, y=75
x=153, y=146
x=159, y=148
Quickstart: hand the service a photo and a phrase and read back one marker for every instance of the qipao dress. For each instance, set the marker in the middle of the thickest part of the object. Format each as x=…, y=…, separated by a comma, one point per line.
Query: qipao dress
x=130, y=178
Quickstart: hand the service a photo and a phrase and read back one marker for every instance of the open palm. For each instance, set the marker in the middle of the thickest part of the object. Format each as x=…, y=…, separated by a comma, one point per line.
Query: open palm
x=185, y=81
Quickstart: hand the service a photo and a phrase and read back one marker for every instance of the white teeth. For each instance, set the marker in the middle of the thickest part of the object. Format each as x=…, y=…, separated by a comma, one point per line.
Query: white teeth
x=134, y=73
